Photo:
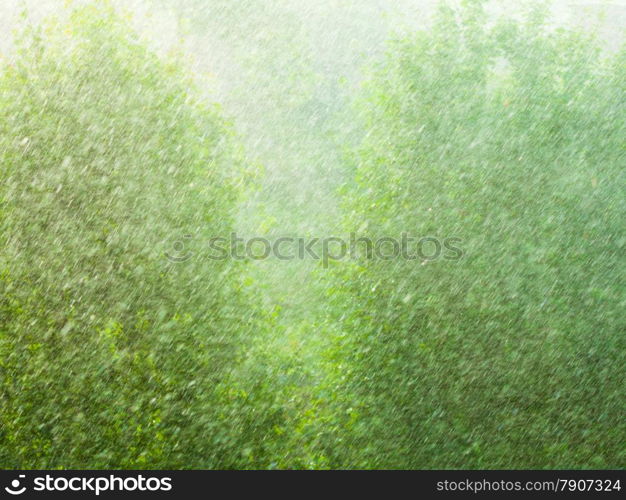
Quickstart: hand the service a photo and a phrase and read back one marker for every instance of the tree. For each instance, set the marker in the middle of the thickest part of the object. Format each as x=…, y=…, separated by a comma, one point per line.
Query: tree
x=507, y=136
x=111, y=355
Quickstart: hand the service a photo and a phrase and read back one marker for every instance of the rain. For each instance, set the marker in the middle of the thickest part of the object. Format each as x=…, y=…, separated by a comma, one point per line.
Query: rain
x=353, y=234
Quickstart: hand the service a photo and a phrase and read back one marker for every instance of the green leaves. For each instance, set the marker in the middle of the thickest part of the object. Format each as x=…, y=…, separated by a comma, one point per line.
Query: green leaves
x=107, y=154
x=489, y=125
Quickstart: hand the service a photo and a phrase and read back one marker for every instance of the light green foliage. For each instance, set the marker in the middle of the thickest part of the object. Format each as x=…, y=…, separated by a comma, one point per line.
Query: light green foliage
x=110, y=354
x=508, y=136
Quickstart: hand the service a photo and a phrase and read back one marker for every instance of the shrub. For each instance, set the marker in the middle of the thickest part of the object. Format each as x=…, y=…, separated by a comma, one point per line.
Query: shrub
x=509, y=136
x=110, y=355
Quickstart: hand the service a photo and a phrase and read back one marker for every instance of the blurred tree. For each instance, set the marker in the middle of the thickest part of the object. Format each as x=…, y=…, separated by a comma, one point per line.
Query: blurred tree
x=507, y=135
x=110, y=354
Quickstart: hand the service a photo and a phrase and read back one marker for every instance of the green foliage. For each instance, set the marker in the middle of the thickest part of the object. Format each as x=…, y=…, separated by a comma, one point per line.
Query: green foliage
x=508, y=136
x=111, y=356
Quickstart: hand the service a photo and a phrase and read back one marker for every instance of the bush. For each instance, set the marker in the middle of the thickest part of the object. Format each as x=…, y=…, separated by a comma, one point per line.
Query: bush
x=111, y=355
x=508, y=136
